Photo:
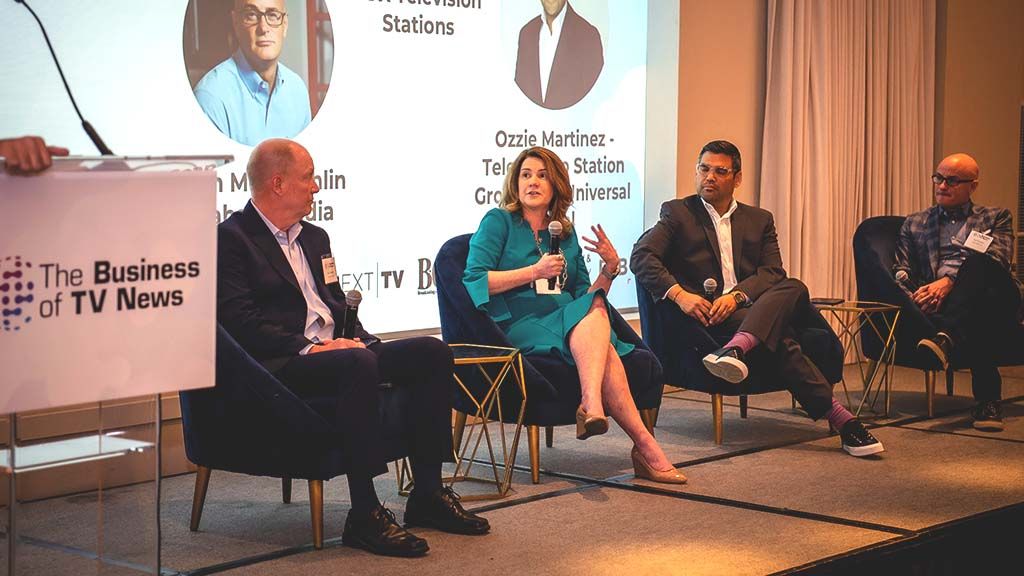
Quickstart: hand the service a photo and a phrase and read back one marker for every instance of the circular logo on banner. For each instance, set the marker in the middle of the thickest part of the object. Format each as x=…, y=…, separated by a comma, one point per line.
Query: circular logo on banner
x=258, y=68
x=15, y=293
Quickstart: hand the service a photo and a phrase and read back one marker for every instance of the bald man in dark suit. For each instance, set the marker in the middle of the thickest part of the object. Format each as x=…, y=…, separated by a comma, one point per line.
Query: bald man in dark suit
x=560, y=56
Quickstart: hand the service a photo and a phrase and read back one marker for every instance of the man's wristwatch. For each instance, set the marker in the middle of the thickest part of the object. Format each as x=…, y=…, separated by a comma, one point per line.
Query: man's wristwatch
x=609, y=275
x=740, y=298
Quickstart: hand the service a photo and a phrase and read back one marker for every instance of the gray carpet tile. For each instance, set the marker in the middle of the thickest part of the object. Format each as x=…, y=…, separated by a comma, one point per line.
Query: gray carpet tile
x=36, y=561
x=907, y=394
x=910, y=486
x=605, y=531
x=243, y=516
x=1013, y=422
x=685, y=432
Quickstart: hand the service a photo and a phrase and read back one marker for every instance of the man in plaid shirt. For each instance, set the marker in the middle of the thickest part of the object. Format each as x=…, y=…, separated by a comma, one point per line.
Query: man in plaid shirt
x=953, y=260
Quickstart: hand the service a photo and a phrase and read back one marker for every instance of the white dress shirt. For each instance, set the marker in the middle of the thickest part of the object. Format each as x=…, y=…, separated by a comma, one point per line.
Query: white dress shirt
x=319, y=322
x=548, y=47
x=723, y=229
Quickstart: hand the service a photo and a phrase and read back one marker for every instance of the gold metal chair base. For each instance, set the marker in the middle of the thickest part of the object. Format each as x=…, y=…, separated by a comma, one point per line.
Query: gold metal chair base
x=316, y=502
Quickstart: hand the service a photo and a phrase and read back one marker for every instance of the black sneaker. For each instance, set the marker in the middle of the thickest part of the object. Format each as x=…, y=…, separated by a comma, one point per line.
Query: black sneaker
x=857, y=441
x=938, y=347
x=379, y=532
x=727, y=364
x=442, y=510
x=988, y=417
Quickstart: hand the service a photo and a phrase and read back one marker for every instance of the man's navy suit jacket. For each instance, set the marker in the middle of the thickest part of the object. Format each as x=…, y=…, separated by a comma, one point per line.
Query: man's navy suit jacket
x=259, y=301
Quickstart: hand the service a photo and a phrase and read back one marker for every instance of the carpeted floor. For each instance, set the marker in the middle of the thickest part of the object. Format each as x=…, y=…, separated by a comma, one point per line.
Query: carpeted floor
x=777, y=494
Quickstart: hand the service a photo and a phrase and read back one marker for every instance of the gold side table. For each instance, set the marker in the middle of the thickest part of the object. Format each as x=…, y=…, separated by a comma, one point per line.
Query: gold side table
x=853, y=316
x=486, y=426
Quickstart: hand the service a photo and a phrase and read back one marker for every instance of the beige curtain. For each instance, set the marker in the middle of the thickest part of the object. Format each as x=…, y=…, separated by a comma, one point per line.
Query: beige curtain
x=849, y=126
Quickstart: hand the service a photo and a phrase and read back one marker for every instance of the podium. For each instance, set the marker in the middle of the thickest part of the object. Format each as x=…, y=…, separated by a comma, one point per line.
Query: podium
x=107, y=292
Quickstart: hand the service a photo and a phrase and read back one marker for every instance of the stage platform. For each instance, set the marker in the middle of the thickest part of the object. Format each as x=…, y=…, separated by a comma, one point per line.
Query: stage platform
x=778, y=496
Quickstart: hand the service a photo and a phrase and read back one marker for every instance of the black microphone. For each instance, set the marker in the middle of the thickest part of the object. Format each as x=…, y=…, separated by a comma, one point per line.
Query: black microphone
x=352, y=300
x=710, y=285
x=555, y=231
x=89, y=130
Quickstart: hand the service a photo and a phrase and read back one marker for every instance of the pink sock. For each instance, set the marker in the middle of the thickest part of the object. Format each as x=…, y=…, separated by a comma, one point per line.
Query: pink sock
x=838, y=416
x=744, y=341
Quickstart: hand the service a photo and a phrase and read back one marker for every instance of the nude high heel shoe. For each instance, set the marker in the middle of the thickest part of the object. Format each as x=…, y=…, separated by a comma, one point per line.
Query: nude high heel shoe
x=644, y=470
x=587, y=425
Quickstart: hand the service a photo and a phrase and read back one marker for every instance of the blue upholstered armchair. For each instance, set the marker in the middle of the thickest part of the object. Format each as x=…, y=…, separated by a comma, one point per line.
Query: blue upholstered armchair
x=680, y=343
x=252, y=424
x=874, y=252
x=553, y=388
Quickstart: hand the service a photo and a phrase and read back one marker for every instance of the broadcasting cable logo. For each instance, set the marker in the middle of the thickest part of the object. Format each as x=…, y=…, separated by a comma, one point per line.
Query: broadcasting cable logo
x=15, y=293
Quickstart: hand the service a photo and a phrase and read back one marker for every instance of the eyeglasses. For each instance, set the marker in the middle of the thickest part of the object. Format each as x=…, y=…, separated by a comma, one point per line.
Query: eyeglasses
x=704, y=169
x=951, y=181
x=251, y=17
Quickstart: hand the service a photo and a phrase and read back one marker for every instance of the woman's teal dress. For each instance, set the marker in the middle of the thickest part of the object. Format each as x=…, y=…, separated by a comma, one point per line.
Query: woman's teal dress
x=534, y=323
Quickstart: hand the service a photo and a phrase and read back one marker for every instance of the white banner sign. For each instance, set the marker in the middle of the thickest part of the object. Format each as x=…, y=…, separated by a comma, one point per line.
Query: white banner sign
x=107, y=286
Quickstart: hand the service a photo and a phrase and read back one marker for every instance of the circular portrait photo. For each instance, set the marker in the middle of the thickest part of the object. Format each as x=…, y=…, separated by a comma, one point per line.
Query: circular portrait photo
x=560, y=56
x=258, y=68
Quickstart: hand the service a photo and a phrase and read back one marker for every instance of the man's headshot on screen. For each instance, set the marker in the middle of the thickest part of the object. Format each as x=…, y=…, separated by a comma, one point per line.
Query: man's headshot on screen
x=252, y=95
x=560, y=56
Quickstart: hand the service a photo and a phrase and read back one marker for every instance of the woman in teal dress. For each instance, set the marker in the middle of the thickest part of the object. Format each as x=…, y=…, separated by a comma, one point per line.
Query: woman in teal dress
x=507, y=274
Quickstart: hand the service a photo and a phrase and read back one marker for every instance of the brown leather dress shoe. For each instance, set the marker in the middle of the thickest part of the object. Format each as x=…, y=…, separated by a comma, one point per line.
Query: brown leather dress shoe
x=644, y=470
x=587, y=425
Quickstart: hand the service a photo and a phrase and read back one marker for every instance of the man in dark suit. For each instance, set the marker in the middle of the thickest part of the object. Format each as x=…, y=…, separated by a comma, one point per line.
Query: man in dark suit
x=278, y=295
x=710, y=238
x=560, y=56
x=956, y=258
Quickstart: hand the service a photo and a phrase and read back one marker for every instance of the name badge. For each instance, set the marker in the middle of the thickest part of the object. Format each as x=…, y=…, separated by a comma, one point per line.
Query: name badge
x=541, y=286
x=330, y=272
x=978, y=241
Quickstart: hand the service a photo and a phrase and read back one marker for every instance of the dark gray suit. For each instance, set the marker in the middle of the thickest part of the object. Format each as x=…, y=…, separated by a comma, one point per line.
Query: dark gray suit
x=683, y=248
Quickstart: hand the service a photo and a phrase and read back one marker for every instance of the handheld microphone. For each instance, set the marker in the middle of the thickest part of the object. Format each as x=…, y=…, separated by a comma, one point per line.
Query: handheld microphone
x=710, y=285
x=902, y=277
x=555, y=231
x=352, y=300
x=89, y=130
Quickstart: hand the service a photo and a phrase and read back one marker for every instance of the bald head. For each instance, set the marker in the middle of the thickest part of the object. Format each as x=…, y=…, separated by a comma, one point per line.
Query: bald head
x=281, y=180
x=962, y=163
x=958, y=175
x=270, y=158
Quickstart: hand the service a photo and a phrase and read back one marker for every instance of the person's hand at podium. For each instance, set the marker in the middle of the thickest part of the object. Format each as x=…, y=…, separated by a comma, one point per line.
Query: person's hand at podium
x=28, y=155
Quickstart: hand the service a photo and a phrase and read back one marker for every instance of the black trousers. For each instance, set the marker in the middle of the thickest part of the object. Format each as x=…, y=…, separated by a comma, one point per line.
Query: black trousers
x=979, y=314
x=353, y=377
x=777, y=319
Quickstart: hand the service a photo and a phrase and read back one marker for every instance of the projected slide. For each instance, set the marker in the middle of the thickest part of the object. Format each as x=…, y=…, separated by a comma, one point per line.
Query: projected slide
x=412, y=110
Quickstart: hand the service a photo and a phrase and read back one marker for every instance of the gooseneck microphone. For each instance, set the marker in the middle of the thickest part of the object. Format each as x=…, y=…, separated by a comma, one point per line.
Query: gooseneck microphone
x=555, y=231
x=710, y=285
x=89, y=130
x=352, y=300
